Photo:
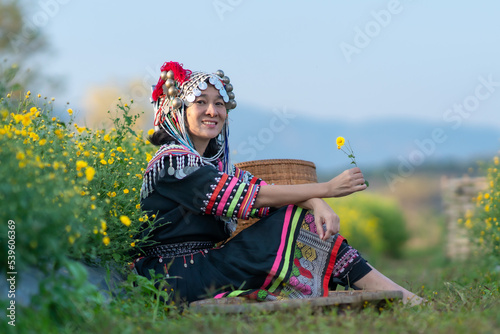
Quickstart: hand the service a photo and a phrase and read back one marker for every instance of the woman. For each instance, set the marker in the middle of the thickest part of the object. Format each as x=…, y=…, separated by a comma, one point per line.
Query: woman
x=293, y=251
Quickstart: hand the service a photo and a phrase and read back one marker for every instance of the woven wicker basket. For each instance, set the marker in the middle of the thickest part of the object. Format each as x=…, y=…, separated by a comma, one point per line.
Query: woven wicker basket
x=281, y=171
x=277, y=171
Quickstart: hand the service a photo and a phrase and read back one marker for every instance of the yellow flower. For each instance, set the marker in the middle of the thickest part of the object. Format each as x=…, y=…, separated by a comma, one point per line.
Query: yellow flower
x=340, y=142
x=110, y=161
x=33, y=110
x=486, y=196
x=71, y=239
x=81, y=164
x=89, y=173
x=104, y=162
x=137, y=206
x=26, y=120
x=104, y=227
x=105, y=240
x=107, y=137
x=496, y=160
x=487, y=208
x=125, y=191
x=42, y=142
x=125, y=220
x=70, y=111
x=150, y=132
x=20, y=156
x=132, y=244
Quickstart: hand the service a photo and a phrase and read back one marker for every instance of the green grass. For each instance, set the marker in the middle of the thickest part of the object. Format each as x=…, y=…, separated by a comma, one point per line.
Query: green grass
x=464, y=297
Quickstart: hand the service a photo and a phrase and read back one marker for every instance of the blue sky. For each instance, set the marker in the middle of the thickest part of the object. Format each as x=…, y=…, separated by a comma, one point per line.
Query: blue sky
x=349, y=60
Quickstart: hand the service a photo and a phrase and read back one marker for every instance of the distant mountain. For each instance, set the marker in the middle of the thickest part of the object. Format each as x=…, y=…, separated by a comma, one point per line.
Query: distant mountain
x=260, y=134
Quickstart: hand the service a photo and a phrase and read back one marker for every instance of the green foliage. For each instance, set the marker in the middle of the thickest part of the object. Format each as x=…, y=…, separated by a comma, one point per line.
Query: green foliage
x=372, y=224
x=484, y=222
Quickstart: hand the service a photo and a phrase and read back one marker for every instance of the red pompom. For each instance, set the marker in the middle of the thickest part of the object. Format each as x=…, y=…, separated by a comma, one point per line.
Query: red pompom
x=180, y=75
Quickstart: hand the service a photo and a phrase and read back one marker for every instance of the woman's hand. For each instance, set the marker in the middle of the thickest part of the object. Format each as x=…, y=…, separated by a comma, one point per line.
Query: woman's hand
x=346, y=183
x=323, y=214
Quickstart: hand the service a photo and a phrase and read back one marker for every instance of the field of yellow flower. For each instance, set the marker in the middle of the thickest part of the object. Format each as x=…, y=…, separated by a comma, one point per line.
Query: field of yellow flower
x=71, y=190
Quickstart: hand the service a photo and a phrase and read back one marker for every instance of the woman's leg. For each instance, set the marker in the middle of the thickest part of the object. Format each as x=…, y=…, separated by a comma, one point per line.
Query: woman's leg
x=351, y=269
x=375, y=280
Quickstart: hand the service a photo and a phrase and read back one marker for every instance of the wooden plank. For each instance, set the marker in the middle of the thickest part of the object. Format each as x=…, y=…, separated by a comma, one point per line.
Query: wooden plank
x=341, y=299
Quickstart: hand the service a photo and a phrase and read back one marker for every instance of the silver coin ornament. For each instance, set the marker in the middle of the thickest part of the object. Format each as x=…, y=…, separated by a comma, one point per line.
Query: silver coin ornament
x=231, y=95
x=170, y=75
x=190, y=98
x=212, y=80
x=231, y=104
x=171, y=170
x=202, y=85
x=219, y=73
x=196, y=92
x=189, y=169
x=226, y=79
x=229, y=87
x=162, y=172
x=180, y=174
x=163, y=75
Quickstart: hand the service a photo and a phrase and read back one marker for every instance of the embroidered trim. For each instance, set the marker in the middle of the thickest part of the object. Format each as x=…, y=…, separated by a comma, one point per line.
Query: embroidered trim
x=186, y=163
x=179, y=249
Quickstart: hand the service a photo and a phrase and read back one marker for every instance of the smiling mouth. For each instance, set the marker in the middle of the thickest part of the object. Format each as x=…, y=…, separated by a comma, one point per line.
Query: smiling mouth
x=209, y=122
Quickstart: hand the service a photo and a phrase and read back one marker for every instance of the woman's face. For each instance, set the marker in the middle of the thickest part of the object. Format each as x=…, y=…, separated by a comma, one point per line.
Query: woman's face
x=205, y=117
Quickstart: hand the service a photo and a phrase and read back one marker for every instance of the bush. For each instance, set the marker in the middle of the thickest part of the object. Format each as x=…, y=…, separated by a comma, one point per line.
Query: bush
x=484, y=221
x=371, y=224
x=68, y=194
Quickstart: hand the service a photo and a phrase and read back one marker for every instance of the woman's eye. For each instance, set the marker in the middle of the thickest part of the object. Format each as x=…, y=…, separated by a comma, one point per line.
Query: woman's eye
x=200, y=102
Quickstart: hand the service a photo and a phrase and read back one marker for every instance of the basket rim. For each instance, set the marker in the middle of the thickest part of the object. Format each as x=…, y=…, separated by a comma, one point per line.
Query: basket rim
x=276, y=161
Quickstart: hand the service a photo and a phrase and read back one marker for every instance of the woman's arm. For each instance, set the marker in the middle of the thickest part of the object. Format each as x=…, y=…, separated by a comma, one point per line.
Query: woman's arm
x=346, y=183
